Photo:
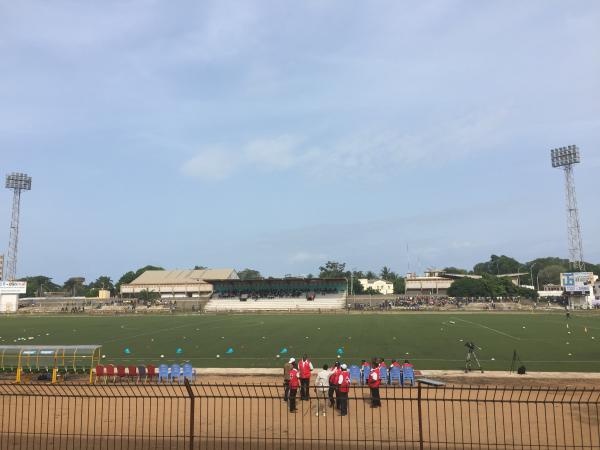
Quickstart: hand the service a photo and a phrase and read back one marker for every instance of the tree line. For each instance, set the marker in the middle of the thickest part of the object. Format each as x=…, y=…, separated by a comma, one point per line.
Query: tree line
x=537, y=273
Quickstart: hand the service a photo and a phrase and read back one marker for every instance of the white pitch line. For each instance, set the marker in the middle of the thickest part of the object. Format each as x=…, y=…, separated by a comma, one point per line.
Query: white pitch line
x=489, y=328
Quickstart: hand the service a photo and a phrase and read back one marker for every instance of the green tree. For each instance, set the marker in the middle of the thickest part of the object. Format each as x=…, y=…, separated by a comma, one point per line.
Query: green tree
x=399, y=286
x=249, y=274
x=370, y=275
x=551, y=274
x=371, y=291
x=102, y=282
x=146, y=295
x=38, y=285
x=75, y=286
x=467, y=287
x=332, y=269
x=488, y=286
x=498, y=265
x=455, y=270
x=200, y=268
x=387, y=274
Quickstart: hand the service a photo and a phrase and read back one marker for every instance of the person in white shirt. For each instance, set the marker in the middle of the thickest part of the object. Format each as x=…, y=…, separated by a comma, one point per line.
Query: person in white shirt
x=322, y=388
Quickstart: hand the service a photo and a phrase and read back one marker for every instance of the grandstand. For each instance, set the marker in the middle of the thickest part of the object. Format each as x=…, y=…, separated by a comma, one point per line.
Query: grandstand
x=273, y=294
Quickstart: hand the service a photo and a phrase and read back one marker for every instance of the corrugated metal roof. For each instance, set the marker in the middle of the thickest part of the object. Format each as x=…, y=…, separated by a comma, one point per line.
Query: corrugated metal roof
x=183, y=276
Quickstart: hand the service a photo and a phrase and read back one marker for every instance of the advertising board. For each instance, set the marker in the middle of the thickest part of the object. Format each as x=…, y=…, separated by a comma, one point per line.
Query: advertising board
x=13, y=287
x=580, y=282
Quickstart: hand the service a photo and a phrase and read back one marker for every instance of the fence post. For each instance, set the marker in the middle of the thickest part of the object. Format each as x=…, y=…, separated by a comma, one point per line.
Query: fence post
x=192, y=411
x=420, y=416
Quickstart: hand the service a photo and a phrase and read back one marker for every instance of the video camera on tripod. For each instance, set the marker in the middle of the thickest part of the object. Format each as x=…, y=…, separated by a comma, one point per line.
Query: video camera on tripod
x=471, y=356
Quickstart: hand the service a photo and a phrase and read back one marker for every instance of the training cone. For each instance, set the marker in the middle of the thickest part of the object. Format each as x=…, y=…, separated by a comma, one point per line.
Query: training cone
x=229, y=350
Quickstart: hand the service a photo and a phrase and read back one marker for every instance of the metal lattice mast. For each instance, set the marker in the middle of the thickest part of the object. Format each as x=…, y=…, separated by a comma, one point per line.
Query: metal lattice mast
x=566, y=157
x=18, y=182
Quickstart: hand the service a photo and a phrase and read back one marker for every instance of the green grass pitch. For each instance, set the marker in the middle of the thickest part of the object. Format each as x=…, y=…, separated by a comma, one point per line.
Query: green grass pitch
x=429, y=340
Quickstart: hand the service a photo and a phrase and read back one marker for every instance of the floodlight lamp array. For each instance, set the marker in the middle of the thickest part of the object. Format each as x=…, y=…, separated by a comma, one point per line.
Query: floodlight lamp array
x=19, y=181
x=565, y=156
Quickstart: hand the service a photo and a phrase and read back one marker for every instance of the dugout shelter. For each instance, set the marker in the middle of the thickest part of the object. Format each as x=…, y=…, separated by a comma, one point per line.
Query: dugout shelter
x=50, y=359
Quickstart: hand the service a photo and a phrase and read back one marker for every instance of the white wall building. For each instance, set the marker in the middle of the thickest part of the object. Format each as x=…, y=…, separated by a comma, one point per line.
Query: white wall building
x=9, y=295
x=381, y=286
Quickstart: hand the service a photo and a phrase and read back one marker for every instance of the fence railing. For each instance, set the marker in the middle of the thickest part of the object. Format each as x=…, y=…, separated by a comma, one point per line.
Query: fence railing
x=231, y=416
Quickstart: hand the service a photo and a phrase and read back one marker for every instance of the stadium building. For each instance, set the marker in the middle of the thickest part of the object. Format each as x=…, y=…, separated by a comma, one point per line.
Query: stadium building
x=222, y=290
x=278, y=294
x=178, y=284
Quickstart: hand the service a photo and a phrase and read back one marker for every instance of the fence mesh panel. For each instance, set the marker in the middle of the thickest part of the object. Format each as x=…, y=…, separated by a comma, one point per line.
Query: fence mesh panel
x=232, y=416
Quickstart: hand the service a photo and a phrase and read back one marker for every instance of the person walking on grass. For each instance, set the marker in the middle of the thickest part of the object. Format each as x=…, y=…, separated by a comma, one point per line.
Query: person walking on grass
x=305, y=367
x=294, y=385
x=286, y=379
x=321, y=388
x=374, y=382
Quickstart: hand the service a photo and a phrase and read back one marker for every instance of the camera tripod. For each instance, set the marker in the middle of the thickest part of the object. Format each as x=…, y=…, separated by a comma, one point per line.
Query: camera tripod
x=470, y=358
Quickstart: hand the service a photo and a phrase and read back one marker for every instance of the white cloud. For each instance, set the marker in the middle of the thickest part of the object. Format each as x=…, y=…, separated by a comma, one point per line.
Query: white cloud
x=278, y=154
x=362, y=153
x=211, y=164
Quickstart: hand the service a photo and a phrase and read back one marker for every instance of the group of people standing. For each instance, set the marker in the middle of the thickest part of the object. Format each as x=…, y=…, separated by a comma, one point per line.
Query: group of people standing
x=332, y=384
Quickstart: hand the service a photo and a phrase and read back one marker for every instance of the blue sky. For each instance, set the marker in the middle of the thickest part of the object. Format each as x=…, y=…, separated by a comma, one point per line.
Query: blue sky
x=278, y=135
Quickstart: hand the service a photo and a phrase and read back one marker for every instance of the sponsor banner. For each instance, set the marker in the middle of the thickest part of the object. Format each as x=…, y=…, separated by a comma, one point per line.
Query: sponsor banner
x=13, y=287
x=577, y=281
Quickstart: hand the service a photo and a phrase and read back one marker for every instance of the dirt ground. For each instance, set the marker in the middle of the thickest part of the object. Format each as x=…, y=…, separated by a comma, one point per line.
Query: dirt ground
x=250, y=413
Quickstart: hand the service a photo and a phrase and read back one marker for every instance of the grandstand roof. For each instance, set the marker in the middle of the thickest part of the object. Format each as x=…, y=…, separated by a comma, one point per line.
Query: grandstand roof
x=183, y=276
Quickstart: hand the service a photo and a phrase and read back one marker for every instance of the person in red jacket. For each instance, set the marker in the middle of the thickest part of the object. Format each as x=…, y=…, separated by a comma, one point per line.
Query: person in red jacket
x=305, y=368
x=343, y=389
x=374, y=382
x=333, y=380
x=294, y=384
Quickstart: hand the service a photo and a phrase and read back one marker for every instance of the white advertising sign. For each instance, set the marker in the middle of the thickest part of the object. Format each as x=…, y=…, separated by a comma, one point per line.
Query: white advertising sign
x=577, y=281
x=13, y=287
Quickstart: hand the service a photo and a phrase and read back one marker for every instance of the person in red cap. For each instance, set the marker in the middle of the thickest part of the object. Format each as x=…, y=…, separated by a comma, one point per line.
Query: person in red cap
x=305, y=368
x=343, y=389
x=294, y=384
x=374, y=382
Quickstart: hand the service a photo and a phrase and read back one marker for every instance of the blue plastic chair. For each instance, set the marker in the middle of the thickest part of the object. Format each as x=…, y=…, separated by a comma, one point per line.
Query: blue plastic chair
x=395, y=375
x=163, y=373
x=175, y=373
x=189, y=372
x=383, y=373
x=355, y=374
x=366, y=373
x=408, y=374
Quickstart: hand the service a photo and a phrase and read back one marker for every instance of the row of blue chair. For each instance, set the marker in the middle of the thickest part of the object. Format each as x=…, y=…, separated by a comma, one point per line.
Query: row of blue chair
x=401, y=375
x=168, y=374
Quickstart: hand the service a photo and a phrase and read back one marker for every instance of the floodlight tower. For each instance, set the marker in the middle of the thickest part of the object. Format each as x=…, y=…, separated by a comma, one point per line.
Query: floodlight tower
x=566, y=157
x=18, y=182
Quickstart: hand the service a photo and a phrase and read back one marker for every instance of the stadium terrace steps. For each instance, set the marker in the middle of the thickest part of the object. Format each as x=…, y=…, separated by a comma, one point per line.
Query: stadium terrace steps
x=328, y=302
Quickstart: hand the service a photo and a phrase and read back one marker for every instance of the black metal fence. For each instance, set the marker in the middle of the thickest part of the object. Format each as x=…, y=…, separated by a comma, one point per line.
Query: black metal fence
x=219, y=416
